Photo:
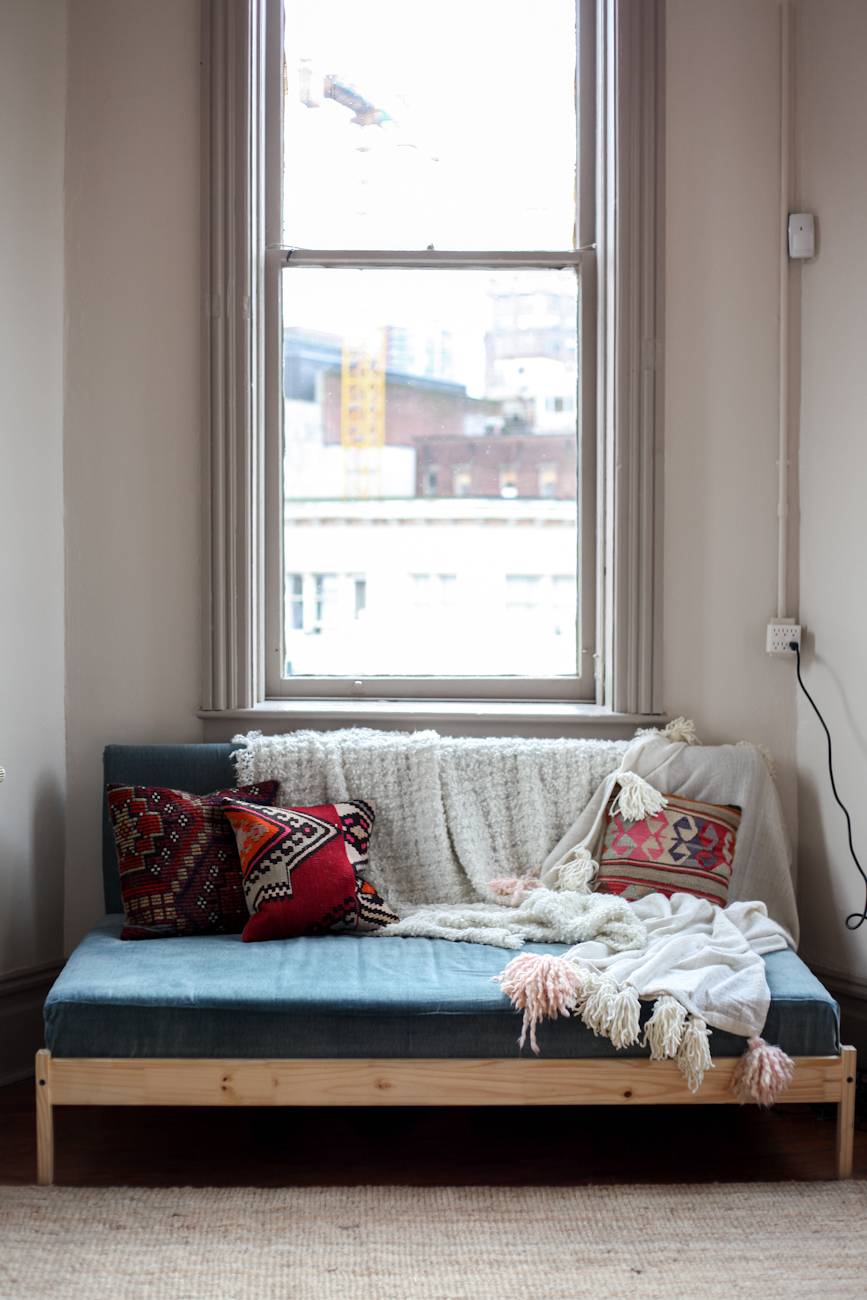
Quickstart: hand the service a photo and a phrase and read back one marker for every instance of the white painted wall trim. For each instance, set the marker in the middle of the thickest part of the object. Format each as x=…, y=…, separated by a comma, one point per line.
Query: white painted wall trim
x=533, y=718
x=851, y=993
x=22, y=994
x=232, y=273
x=629, y=186
x=631, y=189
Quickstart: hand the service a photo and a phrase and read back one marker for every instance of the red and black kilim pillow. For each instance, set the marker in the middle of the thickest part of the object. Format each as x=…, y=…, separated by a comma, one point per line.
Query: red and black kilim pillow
x=688, y=847
x=303, y=869
x=178, y=864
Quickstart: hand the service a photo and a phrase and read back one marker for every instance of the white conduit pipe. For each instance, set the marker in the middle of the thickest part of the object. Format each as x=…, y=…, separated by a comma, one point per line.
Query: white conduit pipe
x=783, y=446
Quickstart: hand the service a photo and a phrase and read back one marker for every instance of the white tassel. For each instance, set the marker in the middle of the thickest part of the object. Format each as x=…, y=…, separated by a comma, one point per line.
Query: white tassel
x=577, y=871
x=637, y=798
x=681, y=730
x=598, y=1002
x=763, y=1073
x=664, y=1030
x=625, y=1017
x=693, y=1055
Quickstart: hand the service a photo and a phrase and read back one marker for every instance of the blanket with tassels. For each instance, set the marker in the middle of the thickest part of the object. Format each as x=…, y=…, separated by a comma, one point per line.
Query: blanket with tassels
x=700, y=966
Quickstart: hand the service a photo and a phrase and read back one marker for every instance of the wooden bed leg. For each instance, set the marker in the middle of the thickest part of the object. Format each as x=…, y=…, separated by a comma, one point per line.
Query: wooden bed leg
x=44, y=1120
x=846, y=1112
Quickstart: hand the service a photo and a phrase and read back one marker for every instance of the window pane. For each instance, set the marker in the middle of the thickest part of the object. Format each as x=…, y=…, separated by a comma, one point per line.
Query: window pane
x=409, y=126
x=429, y=485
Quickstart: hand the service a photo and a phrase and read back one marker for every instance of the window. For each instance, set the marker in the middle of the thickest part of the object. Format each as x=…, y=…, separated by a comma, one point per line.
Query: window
x=422, y=333
x=431, y=349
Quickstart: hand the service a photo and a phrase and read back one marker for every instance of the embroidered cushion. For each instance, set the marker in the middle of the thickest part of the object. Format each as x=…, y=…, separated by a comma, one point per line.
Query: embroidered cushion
x=303, y=869
x=686, y=848
x=178, y=864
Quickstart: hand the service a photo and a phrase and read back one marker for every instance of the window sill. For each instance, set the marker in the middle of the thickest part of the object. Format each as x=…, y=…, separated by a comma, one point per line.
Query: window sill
x=457, y=717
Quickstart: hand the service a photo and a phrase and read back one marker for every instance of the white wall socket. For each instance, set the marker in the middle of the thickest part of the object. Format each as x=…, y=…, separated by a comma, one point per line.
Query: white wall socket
x=780, y=633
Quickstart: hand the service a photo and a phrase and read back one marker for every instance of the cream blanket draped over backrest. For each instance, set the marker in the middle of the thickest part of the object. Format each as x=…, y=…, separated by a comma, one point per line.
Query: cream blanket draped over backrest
x=450, y=813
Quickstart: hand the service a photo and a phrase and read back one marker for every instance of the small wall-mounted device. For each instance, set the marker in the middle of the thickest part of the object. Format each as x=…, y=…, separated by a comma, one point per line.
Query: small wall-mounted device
x=802, y=235
x=780, y=635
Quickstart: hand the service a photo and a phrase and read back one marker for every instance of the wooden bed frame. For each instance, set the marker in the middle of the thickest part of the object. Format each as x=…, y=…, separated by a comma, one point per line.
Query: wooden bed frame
x=82, y=1081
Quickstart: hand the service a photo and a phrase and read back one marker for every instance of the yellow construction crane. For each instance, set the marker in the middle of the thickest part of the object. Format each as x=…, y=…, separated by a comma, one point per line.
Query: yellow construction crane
x=362, y=415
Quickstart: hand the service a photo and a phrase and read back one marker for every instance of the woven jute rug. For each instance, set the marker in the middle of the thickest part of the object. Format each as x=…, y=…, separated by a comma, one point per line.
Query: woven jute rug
x=399, y=1243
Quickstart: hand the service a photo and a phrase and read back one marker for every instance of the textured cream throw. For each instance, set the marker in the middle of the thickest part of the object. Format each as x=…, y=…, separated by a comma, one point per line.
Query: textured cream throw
x=450, y=813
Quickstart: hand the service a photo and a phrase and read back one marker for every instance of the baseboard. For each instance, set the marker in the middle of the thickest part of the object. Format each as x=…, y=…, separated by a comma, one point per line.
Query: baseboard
x=852, y=996
x=21, y=997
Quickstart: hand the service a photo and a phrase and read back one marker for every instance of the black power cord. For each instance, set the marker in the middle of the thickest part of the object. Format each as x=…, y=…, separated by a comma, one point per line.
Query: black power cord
x=855, y=919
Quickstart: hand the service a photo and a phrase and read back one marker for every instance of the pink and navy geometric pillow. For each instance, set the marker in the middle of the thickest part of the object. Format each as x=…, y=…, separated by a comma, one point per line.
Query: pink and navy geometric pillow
x=302, y=869
x=687, y=848
x=178, y=864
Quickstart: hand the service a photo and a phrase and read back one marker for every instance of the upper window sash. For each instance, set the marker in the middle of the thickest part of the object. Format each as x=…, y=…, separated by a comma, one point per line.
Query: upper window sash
x=576, y=685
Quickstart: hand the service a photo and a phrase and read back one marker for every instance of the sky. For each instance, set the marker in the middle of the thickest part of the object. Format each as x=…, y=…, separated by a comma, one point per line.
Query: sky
x=479, y=153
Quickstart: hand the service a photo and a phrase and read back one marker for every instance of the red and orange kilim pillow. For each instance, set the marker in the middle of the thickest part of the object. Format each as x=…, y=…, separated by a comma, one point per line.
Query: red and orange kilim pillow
x=303, y=869
x=178, y=864
x=687, y=848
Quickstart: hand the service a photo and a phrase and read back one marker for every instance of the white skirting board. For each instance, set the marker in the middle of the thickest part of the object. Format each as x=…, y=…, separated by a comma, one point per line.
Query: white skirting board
x=852, y=996
x=21, y=997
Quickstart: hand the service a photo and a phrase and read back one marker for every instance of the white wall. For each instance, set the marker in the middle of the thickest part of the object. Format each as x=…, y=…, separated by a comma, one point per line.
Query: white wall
x=32, y=90
x=831, y=134
x=721, y=351
x=132, y=480
x=133, y=409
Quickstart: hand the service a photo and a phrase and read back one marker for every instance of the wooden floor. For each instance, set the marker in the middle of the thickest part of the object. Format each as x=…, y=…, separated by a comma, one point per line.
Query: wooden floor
x=163, y=1147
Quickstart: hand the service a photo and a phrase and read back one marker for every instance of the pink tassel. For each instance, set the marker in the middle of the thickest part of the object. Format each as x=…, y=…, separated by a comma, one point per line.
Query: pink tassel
x=763, y=1073
x=542, y=987
x=512, y=886
x=505, y=886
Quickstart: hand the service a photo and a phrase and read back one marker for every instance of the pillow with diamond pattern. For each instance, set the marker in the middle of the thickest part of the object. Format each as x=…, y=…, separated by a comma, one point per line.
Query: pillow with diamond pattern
x=303, y=869
x=687, y=847
x=178, y=864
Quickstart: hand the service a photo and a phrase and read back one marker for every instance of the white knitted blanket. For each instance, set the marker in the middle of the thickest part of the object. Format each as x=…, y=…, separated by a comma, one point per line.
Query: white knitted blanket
x=544, y=916
x=450, y=813
x=701, y=967
x=707, y=957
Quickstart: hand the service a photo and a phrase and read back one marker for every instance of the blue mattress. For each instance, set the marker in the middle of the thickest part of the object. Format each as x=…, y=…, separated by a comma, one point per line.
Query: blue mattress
x=345, y=996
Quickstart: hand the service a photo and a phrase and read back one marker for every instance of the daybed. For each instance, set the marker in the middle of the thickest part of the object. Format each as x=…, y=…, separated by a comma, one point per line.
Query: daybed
x=346, y=1020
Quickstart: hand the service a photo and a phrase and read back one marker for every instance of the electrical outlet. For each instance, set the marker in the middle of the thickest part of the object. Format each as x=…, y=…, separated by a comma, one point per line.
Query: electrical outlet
x=780, y=633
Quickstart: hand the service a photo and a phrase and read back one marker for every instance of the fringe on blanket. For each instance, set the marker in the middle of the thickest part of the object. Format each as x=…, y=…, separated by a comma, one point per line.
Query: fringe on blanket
x=576, y=872
x=679, y=731
x=637, y=798
x=545, y=987
x=763, y=1073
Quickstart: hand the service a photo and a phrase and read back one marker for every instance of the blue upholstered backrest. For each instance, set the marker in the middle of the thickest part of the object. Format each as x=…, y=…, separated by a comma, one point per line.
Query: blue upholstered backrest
x=197, y=768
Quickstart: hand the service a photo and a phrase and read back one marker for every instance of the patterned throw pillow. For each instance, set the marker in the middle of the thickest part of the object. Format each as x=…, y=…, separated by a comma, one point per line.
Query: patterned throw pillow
x=303, y=869
x=687, y=848
x=178, y=863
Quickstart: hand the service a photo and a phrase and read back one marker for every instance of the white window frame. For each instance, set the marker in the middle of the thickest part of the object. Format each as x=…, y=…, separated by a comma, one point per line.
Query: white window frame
x=618, y=241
